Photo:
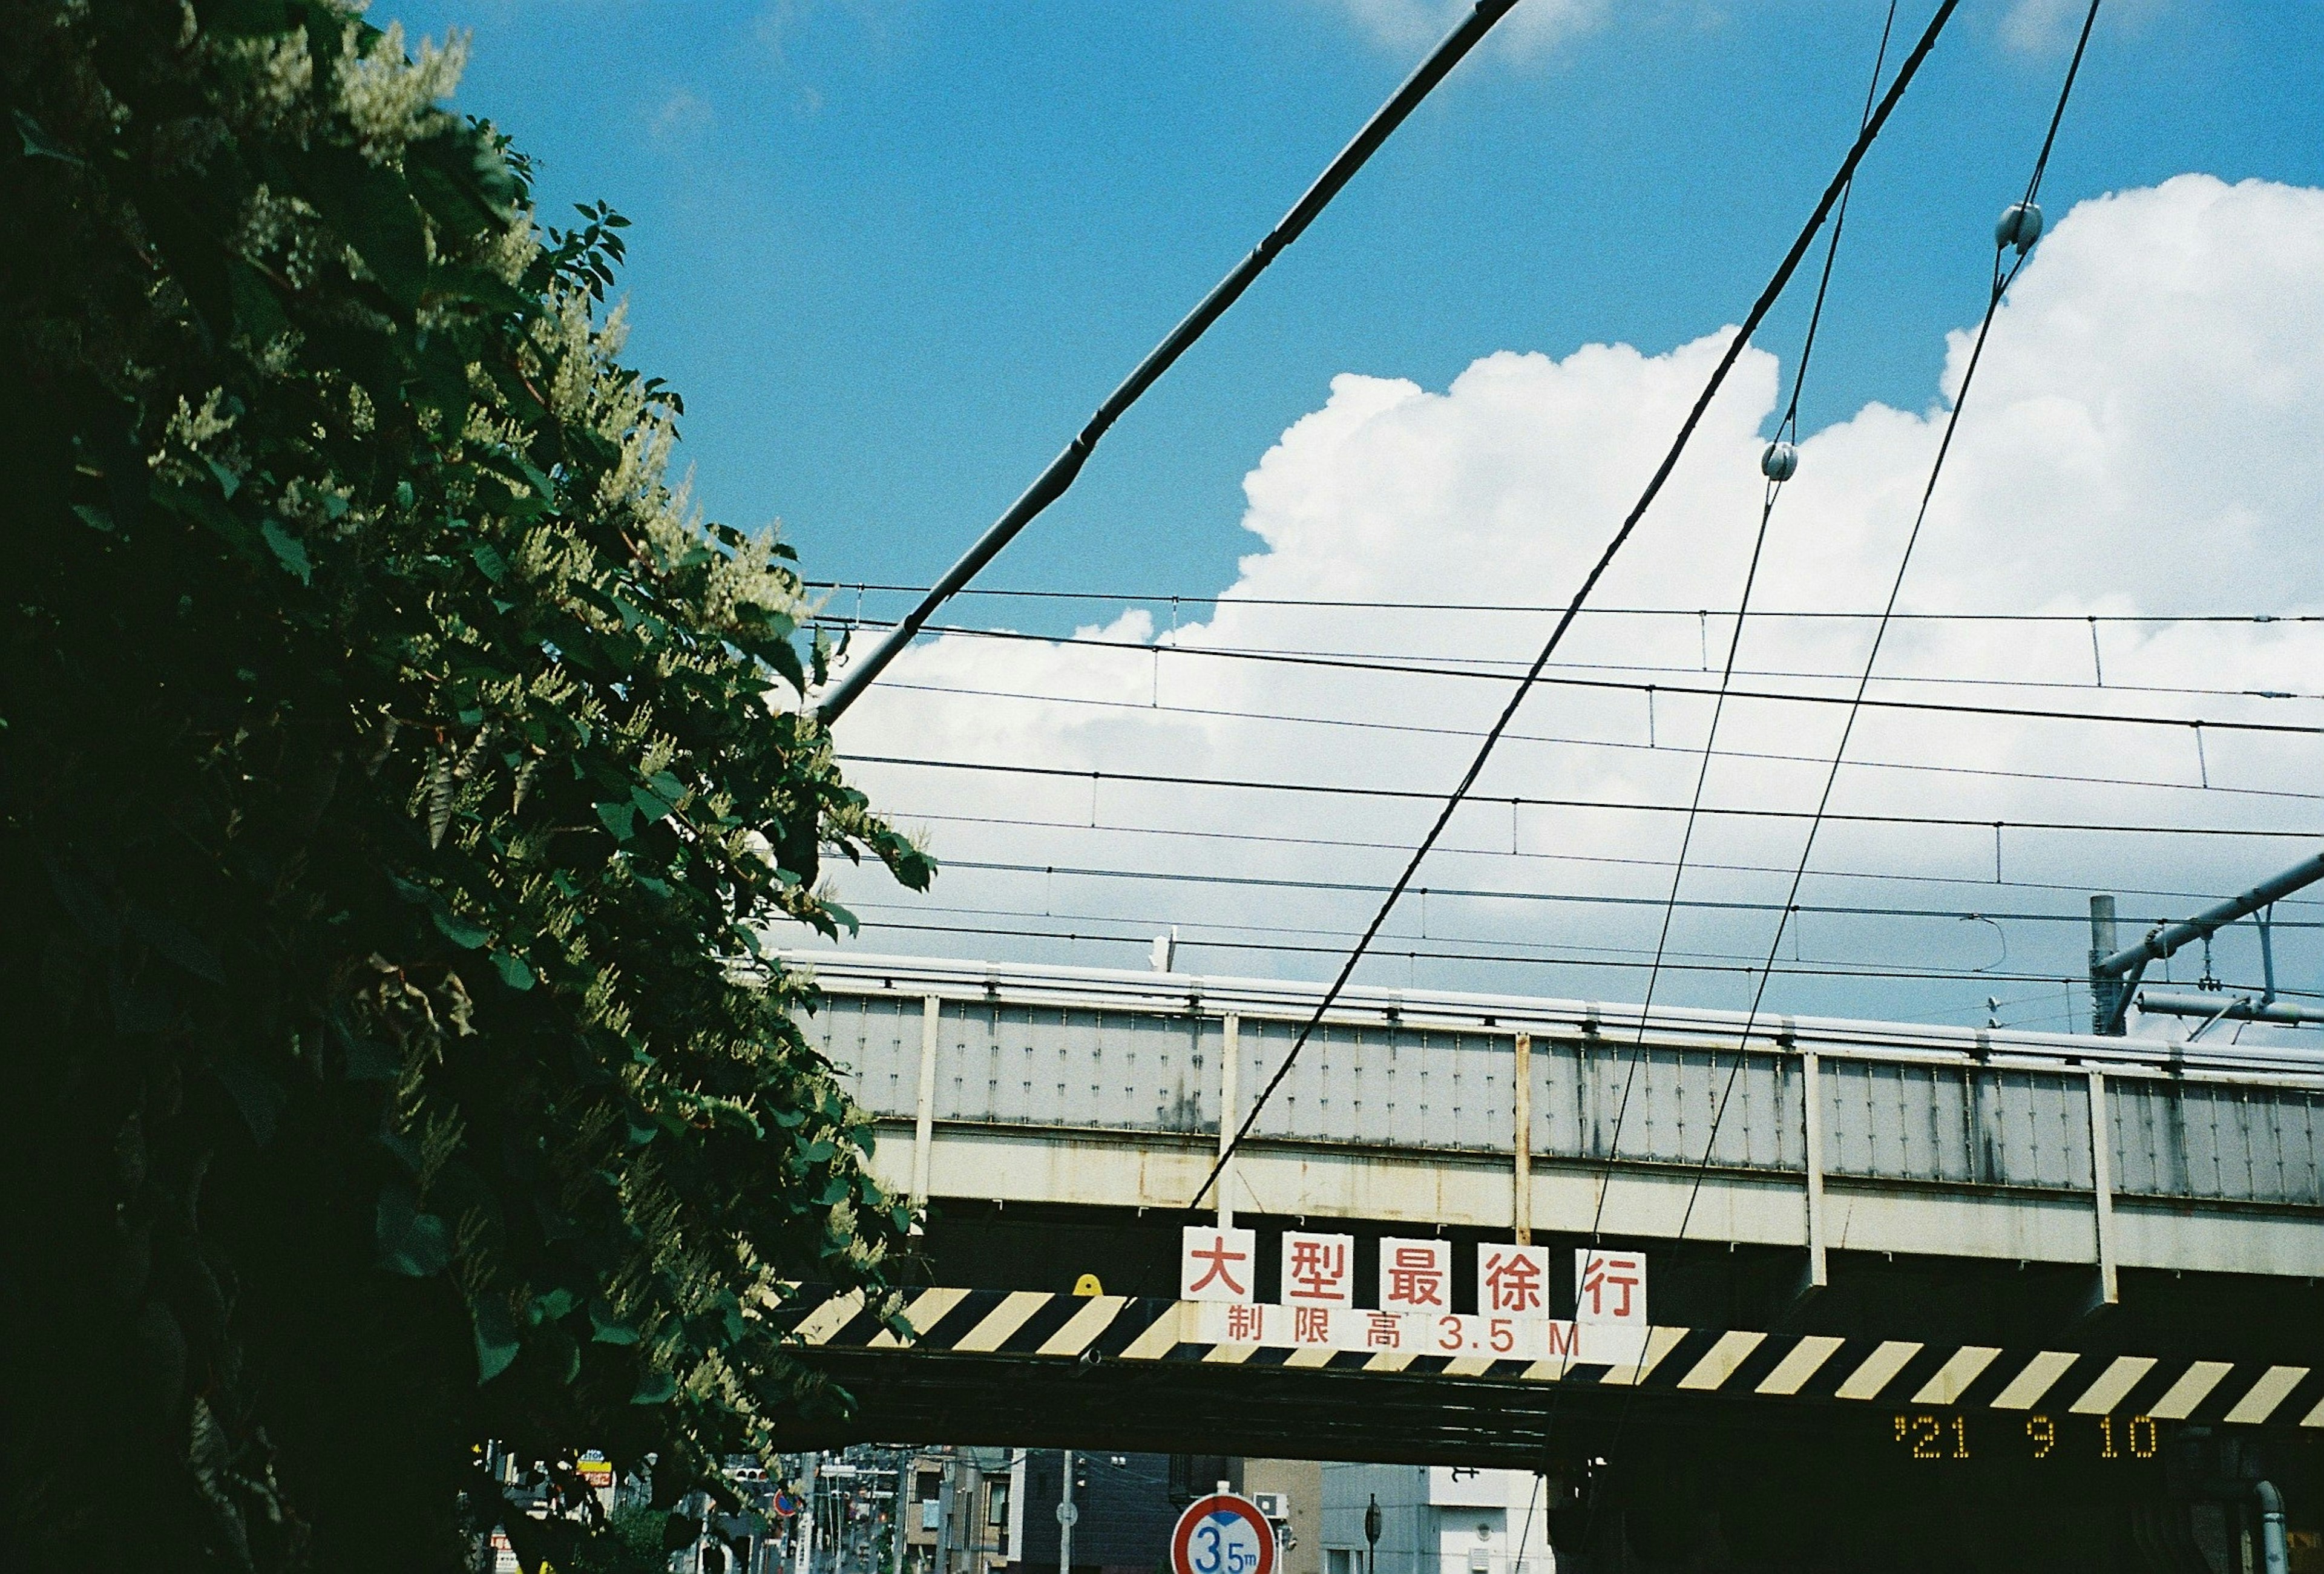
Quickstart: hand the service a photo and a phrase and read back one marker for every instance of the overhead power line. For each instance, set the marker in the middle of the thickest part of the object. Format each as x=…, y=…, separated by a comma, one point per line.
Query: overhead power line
x=1727, y=357
x=1430, y=952
x=1053, y=483
x=1534, y=608
x=1569, y=899
x=1521, y=800
x=1421, y=729
x=1342, y=843
x=1777, y=465
x=1413, y=668
x=2021, y=224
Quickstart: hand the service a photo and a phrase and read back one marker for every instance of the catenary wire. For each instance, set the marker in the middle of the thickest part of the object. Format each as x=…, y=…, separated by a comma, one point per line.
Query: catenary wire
x=1410, y=948
x=1423, y=729
x=2004, y=275
x=1409, y=794
x=1741, y=336
x=1983, y=882
x=1411, y=669
x=1172, y=598
x=1471, y=893
x=1420, y=663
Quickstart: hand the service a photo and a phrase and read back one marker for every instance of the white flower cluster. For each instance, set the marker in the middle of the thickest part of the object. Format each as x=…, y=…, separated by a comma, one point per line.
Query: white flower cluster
x=281, y=231
x=193, y=435
x=390, y=100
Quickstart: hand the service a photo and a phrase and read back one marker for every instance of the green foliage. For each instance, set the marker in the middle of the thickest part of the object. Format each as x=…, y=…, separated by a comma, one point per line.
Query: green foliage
x=396, y=781
x=631, y=1544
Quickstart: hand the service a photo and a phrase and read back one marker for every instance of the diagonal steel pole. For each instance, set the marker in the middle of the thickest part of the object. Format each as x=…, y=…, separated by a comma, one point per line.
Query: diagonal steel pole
x=1051, y=482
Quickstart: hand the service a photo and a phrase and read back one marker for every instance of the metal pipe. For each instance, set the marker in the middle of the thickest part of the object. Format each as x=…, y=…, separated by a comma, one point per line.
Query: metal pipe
x=1051, y=482
x=2172, y=937
x=2113, y=977
x=2228, y=1007
x=2274, y=1550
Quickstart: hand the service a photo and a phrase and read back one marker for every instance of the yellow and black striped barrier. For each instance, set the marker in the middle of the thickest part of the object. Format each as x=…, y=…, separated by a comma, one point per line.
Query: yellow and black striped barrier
x=1044, y=1326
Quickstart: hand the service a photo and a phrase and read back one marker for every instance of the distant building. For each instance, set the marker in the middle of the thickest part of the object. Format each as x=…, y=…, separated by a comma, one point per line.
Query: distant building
x=973, y=1511
x=1290, y=1493
x=964, y=1511
x=1127, y=1503
x=1435, y=1519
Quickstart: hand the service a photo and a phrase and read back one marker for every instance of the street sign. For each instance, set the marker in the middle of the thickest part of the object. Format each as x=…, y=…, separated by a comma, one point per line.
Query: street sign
x=1609, y=1287
x=787, y=1504
x=1223, y=1535
x=1416, y=1275
x=1512, y=1280
x=1069, y=1514
x=1318, y=1270
x=1216, y=1262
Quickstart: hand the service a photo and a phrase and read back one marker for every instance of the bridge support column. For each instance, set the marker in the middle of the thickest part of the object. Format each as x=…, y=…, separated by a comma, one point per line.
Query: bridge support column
x=924, y=1121
x=2107, y=1293
x=1229, y=1068
x=1521, y=1150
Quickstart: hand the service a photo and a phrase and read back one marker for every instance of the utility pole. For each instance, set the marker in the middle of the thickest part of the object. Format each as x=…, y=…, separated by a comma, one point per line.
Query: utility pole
x=806, y=1517
x=1067, y=1515
x=2105, y=989
x=944, y=1517
x=904, y=1472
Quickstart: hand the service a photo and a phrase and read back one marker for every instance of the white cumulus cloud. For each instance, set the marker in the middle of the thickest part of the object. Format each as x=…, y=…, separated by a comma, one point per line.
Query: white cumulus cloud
x=2146, y=434
x=1534, y=25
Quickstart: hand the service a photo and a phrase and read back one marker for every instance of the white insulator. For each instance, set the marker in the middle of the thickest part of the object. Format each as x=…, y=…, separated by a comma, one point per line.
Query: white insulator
x=1780, y=461
x=2020, y=225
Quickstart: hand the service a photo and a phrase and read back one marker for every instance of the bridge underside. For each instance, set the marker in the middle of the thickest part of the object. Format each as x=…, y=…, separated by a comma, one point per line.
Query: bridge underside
x=1646, y=1480
x=1922, y=1298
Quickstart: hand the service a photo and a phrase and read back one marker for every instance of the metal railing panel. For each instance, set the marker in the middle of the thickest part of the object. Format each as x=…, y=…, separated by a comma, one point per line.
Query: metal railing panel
x=1963, y=1125
x=1427, y=1088
x=1599, y=1099
x=1053, y=1066
x=873, y=1042
x=1424, y=1089
x=2234, y=1142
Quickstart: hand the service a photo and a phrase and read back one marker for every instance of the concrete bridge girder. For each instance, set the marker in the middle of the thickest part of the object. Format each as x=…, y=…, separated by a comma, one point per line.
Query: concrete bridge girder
x=1072, y=1087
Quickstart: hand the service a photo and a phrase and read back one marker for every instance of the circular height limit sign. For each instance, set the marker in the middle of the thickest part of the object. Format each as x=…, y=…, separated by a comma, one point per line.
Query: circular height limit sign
x=1223, y=1535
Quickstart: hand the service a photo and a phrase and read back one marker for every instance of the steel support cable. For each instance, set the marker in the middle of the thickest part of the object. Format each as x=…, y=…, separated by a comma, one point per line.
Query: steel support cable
x=1788, y=427
x=1410, y=794
x=1053, y=483
x=1422, y=729
x=2004, y=275
x=1776, y=477
x=1322, y=602
x=1410, y=668
x=1718, y=378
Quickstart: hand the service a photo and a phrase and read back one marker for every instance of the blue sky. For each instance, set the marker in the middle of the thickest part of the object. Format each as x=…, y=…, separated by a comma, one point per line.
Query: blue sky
x=893, y=253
